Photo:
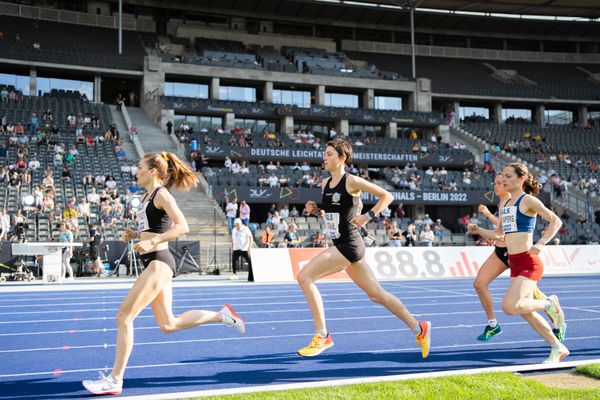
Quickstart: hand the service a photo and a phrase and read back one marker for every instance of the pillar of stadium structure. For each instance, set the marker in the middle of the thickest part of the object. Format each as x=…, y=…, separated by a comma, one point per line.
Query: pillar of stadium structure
x=497, y=113
x=582, y=115
x=369, y=98
x=391, y=130
x=539, y=114
x=320, y=95
x=97, y=88
x=120, y=17
x=412, y=41
x=33, y=82
x=268, y=92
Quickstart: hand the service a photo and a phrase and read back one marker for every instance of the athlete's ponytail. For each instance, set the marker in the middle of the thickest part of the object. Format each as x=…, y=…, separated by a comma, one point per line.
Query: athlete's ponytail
x=171, y=170
x=531, y=185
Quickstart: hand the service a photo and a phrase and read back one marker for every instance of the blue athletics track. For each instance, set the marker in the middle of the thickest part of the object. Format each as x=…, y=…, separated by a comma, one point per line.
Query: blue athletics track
x=51, y=338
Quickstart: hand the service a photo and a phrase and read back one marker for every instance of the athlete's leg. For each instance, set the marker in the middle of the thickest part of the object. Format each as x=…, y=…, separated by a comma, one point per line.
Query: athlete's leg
x=168, y=323
x=518, y=300
x=490, y=270
x=325, y=263
x=145, y=289
x=362, y=275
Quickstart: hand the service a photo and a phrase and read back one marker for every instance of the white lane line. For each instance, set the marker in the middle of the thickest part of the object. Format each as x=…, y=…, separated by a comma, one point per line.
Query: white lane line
x=346, y=300
x=361, y=380
x=245, y=360
x=273, y=322
x=582, y=309
x=171, y=342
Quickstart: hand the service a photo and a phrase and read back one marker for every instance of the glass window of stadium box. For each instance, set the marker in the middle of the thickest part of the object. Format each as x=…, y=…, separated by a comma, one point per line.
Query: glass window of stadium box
x=19, y=82
x=317, y=128
x=594, y=118
x=298, y=98
x=559, y=117
x=181, y=89
x=341, y=100
x=388, y=103
x=366, y=131
x=198, y=122
x=256, y=125
x=46, y=85
x=474, y=114
x=516, y=115
x=237, y=93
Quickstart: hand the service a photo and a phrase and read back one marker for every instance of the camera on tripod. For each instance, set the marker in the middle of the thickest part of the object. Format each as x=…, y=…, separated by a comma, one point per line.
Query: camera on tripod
x=20, y=230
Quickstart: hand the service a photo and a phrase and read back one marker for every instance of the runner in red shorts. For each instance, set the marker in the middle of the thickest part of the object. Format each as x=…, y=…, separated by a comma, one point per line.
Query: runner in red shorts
x=518, y=217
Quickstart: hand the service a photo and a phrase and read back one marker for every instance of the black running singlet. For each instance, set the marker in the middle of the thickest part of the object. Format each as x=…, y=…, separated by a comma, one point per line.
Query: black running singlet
x=340, y=207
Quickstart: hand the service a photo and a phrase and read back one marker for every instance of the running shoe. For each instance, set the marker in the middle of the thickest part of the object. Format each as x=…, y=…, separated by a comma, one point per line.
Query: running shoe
x=556, y=313
x=233, y=277
x=560, y=332
x=489, y=333
x=557, y=354
x=317, y=345
x=104, y=385
x=232, y=320
x=424, y=338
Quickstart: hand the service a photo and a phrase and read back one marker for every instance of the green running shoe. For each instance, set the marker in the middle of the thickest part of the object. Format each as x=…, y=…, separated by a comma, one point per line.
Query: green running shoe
x=489, y=333
x=560, y=332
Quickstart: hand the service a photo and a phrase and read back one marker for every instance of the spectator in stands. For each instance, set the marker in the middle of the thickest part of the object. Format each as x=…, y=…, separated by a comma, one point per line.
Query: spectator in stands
x=281, y=225
x=586, y=237
x=241, y=237
x=394, y=234
x=294, y=213
x=267, y=238
x=110, y=183
x=283, y=181
x=66, y=236
x=244, y=212
x=231, y=212
x=426, y=237
x=4, y=224
x=410, y=236
x=272, y=180
x=66, y=174
x=318, y=240
x=119, y=101
x=33, y=123
x=83, y=208
x=284, y=212
x=15, y=181
x=169, y=125
x=93, y=197
x=291, y=237
x=400, y=211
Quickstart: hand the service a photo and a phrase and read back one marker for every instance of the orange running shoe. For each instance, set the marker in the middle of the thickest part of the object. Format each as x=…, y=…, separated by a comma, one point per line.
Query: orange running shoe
x=424, y=338
x=316, y=346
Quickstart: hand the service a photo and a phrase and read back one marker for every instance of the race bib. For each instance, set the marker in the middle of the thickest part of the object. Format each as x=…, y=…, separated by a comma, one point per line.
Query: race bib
x=509, y=219
x=332, y=223
x=141, y=217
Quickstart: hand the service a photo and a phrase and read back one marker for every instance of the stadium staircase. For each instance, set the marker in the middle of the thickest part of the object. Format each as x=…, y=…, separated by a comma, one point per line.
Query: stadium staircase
x=205, y=218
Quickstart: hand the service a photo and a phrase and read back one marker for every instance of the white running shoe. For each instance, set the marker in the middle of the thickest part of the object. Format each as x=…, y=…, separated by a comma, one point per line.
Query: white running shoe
x=233, y=277
x=231, y=319
x=104, y=385
x=557, y=354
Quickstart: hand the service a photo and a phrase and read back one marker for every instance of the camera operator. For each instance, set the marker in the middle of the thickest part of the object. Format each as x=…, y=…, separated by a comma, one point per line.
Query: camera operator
x=95, y=242
x=20, y=225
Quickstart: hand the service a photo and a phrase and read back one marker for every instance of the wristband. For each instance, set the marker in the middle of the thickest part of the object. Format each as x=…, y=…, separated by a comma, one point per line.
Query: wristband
x=371, y=214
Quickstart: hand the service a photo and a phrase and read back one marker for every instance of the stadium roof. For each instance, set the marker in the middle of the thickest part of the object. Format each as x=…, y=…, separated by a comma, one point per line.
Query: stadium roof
x=589, y=9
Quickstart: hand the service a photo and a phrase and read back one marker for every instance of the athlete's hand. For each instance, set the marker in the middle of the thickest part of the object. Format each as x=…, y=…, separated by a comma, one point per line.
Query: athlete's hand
x=483, y=210
x=143, y=246
x=312, y=208
x=128, y=234
x=536, y=249
x=360, y=220
x=472, y=229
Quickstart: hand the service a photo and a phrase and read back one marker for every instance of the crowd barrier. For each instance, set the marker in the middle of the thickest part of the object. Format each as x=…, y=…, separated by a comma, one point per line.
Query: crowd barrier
x=283, y=265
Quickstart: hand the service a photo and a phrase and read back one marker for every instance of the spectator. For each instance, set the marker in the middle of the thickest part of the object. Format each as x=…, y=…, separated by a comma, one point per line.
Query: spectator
x=394, y=235
x=245, y=213
x=66, y=236
x=426, y=237
x=5, y=224
x=318, y=240
x=95, y=242
x=410, y=236
x=169, y=127
x=266, y=239
x=291, y=238
x=241, y=237
x=231, y=212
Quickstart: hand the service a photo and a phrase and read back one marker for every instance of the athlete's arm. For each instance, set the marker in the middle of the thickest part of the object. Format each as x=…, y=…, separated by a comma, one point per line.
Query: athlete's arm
x=533, y=205
x=496, y=234
x=356, y=184
x=165, y=201
x=483, y=210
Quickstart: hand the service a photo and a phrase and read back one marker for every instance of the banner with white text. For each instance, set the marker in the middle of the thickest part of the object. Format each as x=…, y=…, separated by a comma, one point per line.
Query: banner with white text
x=283, y=265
